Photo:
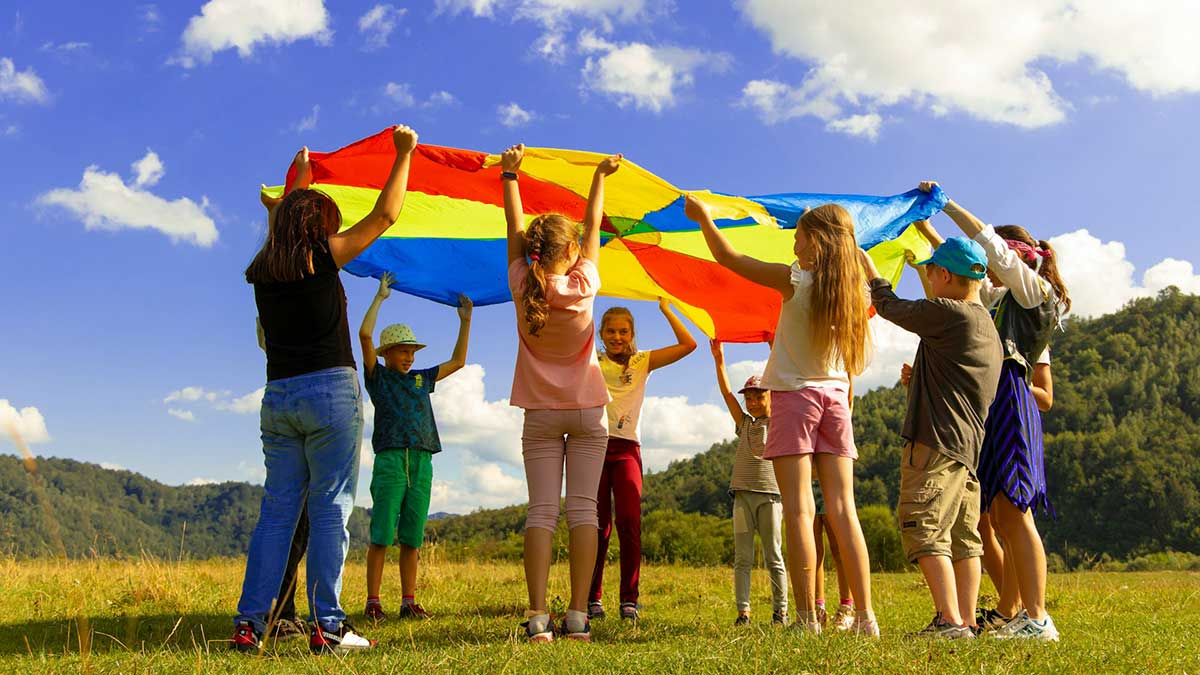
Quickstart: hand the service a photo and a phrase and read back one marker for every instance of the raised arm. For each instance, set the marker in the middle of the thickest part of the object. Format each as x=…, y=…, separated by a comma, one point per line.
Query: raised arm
x=458, y=359
x=966, y=221
x=731, y=402
x=684, y=342
x=346, y=245
x=301, y=181
x=771, y=275
x=595, y=207
x=514, y=215
x=367, y=330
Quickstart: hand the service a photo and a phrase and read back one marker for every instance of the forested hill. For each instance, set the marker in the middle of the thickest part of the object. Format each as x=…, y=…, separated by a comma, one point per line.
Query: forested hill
x=1122, y=454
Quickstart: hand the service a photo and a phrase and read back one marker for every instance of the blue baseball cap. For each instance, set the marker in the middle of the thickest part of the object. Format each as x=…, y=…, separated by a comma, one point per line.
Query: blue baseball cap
x=960, y=256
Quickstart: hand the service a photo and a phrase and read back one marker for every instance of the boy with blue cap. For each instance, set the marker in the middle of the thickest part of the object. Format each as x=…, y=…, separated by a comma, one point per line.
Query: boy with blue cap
x=954, y=378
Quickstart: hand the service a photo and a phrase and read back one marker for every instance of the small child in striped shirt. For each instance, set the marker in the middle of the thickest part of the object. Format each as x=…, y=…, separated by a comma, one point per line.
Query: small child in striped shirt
x=757, y=506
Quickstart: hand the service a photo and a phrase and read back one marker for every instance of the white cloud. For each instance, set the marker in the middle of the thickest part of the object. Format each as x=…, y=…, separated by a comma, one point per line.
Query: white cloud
x=482, y=485
x=65, y=47
x=185, y=415
x=244, y=405
x=672, y=428
x=201, y=481
x=983, y=59
x=513, y=115
x=26, y=422
x=105, y=202
x=246, y=24
x=112, y=467
x=1100, y=279
x=640, y=75
x=378, y=23
x=439, y=99
x=892, y=346
x=190, y=394
x=251, y=473
x=22, y=86
x=308, y=122
x=148, y=170
x=866, y=126
x=400, y=94
x=466, y=420
x=150, y=18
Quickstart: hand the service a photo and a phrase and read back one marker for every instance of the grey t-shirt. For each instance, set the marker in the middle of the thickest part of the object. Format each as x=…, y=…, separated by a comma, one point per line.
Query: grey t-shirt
x=955, y=372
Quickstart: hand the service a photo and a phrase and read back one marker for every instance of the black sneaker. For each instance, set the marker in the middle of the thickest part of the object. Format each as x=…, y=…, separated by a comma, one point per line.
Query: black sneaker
x=344, y=639
x=245, y=638
x=779, y=618
x=286, y=629
x=595, y=610
x=941, y=629
x=413, y=611
x=742, y=620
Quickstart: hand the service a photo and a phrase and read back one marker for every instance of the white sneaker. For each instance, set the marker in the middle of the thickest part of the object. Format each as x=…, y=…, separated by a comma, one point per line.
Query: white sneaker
x=344, y=639
x=865, y=627
x=843, y=619
x=1024, y=628
x=538, y=627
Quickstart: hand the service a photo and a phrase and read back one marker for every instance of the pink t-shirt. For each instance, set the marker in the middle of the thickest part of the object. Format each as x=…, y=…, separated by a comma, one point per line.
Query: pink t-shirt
x=557, y=369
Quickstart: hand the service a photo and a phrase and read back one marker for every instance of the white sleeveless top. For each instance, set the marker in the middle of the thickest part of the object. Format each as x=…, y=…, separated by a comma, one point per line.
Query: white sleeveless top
x=792, y=364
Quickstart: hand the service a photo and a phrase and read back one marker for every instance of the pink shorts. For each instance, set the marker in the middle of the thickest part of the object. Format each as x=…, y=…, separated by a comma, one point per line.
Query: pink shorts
x=810, y=420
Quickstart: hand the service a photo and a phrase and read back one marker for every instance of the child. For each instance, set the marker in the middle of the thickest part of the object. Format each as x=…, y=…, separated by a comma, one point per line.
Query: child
x=843, y=618
x=819, y=342
x=1028, y=297
x=756, y=503
x=626, y=371
x=405, y=440
x=557, y=380
x=953, y=382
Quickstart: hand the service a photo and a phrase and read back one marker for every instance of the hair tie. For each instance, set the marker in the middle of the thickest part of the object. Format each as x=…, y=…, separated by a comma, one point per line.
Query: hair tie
x=533, y=257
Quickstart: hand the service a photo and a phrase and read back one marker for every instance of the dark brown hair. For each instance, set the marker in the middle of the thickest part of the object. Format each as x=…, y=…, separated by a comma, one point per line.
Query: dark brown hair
x=547, y=239
x=1049, y=267
x=297, y=226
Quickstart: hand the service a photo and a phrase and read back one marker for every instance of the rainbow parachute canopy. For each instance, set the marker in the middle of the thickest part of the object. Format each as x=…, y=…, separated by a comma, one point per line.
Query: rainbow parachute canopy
x=450, y=237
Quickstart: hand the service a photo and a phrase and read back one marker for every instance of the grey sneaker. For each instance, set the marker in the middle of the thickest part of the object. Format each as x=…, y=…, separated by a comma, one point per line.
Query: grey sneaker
x=595, y=610
x=779, y=617
x=843, y=619
x=538, y=628
x=991, y=620
x=941, y=629
x=1024, y=628
x=629, y=610
x=742, y=620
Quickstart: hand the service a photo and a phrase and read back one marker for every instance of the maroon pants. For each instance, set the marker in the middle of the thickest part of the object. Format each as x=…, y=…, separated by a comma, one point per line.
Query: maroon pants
x=620, y=486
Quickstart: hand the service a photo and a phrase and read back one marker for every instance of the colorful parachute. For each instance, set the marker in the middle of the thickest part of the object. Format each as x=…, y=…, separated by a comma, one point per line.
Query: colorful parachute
x=450, y=237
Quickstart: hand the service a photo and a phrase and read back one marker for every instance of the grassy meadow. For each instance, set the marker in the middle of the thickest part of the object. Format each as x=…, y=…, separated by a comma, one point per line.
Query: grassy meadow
x=153, y=616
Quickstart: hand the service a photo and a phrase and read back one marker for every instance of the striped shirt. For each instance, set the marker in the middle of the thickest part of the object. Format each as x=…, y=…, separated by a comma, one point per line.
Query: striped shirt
x=750, y=471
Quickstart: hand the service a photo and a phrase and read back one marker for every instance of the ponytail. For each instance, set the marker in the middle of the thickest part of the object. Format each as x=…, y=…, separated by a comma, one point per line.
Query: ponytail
x=1049, y=272
x=547, y=239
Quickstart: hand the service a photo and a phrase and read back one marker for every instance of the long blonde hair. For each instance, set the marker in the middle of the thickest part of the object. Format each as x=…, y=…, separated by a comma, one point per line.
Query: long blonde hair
x=547, y=239
x=839, y=302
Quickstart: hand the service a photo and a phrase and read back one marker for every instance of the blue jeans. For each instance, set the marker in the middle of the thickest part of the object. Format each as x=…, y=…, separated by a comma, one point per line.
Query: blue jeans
x=311, y=431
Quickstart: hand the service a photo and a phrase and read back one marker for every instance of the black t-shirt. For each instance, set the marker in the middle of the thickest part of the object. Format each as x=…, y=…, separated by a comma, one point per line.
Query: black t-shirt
x=305, y=321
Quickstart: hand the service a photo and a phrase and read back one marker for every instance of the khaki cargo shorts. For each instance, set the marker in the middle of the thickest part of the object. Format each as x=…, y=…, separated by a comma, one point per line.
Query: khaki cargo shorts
x=939, y=506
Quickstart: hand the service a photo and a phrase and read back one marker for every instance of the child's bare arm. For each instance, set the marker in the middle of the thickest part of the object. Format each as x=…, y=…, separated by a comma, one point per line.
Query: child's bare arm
x=514, y=214
x=685, y=343
x=458, y=358
x=595, y=207
x=771, y=275
x=346, y=245
x=367, y=330
x=1042, y=386
x=731, y=402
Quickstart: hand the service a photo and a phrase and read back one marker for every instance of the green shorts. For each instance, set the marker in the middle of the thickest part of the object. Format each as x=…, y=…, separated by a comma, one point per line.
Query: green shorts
x=401, y=481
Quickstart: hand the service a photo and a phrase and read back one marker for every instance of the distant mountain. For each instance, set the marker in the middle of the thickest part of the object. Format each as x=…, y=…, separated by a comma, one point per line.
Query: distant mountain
x=441, y=514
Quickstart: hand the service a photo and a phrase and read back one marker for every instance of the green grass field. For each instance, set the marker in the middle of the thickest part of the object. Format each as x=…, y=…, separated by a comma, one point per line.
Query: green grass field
x=107, y=616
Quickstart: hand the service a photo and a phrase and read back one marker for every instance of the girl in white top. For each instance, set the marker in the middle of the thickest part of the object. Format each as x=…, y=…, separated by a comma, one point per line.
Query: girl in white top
x=820, y=341
x=626, y=371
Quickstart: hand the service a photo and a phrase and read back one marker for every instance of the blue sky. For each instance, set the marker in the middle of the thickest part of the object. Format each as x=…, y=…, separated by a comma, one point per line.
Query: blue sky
x=123, y=286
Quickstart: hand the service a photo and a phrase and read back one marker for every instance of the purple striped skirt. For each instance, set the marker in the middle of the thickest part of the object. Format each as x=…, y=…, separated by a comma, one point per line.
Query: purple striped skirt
x=1012, y=462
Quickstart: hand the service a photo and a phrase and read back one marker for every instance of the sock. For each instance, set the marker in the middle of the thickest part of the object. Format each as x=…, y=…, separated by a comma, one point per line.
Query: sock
x=407, y=600
x=373, y=600
x=849, y=602
x=539, y=621
x=576, y=620
x=821, y=603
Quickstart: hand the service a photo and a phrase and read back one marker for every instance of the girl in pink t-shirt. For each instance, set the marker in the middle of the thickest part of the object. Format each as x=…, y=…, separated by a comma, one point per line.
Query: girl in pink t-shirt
x=553, y=277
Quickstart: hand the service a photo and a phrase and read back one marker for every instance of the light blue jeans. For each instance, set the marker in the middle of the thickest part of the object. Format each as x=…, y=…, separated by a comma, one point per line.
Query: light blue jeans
x=311, y=431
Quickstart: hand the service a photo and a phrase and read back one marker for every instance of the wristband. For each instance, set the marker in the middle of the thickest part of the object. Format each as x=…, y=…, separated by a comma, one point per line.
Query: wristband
x=508, y=175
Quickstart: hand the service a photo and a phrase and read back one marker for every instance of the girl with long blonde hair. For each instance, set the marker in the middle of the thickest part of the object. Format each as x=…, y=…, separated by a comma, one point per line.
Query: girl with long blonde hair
x=820, y=342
